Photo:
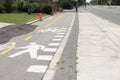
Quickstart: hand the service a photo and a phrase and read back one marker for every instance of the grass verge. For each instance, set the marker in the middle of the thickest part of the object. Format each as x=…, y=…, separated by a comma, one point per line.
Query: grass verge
x=18, y=18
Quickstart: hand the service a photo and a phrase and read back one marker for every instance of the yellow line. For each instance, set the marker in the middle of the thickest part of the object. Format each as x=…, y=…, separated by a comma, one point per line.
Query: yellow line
x=28, y=38
x=7, y=50
x=54, y=21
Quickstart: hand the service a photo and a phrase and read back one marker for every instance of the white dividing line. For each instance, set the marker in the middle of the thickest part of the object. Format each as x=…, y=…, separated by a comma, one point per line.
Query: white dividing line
x=59, y=36
x=53, y=44
x=50, y=49
x=57, y=39
x=45, y=57
x=37, y=69
x=64, y=28
x=61, y=33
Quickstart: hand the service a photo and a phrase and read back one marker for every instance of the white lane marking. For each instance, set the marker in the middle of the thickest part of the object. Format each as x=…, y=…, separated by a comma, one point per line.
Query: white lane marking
x=59, y=36
x=57, y=39
x=32, y=49
x=37, y=69
x=45, y=57
x=7, y=45
x=53, y=44
x=61, y=33
x=64, y=28
x=50, y=49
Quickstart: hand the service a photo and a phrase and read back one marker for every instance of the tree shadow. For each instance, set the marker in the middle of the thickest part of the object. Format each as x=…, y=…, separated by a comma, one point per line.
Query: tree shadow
x=8, y=32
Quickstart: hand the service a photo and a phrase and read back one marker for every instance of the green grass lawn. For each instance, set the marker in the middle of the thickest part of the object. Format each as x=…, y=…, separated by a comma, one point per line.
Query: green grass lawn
x=18, y=18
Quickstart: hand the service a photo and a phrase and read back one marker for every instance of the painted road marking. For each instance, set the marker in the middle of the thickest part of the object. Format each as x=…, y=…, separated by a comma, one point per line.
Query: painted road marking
x=28, y=38
x=61, y=33
x=45, y=57
x=54, y=21
x=7, y=50
x=57, y=39
x=7, y=45
x=37, y=69
x=32, y=49
x=53, y=44
x=59, y=36
x=64, y=28
x=50, y=49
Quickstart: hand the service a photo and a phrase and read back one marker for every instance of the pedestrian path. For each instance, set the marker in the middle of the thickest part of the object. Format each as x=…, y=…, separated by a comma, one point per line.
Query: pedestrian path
x=44, y=56
x=98, y=49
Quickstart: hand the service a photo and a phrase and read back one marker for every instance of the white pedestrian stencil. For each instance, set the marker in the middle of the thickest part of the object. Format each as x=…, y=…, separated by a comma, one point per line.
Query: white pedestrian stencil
x=37, y=69
x=32, y=48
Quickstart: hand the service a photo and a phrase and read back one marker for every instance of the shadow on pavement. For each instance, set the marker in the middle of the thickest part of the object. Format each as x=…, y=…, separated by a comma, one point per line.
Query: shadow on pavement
x=8, y=32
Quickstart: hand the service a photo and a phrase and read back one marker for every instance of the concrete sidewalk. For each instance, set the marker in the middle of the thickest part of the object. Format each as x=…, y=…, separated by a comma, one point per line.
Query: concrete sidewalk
x=98, y=49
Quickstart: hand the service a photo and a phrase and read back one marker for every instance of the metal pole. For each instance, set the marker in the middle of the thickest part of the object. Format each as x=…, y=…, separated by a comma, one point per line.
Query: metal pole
x=85, y=3
x=76, y=6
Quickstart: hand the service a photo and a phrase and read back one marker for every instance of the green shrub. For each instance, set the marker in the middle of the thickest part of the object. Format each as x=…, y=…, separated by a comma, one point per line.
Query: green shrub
x=67, y=5
x=8, y=6
x=47, y=9
x=2, y=9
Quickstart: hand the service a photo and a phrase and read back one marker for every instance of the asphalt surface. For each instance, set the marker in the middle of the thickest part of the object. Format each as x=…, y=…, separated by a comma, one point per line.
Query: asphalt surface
x=41, y=38
x=110, y=14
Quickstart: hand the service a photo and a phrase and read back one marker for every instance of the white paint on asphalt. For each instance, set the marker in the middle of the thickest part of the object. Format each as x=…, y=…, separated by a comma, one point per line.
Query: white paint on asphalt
x=32, y=48
x=37, y=69
x=54, y=30
x=53, y=44
x=7, y=45
x=61, y=33
x=64, y=28
x=45, y=57
x=50, y=49
x=59, y=36
x=57, y=39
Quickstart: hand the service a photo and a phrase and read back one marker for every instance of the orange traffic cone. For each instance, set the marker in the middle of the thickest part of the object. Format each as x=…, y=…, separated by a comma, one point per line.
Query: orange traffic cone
x=40, y=17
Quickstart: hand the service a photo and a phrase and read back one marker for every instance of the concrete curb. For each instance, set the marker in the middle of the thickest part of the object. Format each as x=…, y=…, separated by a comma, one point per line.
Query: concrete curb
x=37, y=20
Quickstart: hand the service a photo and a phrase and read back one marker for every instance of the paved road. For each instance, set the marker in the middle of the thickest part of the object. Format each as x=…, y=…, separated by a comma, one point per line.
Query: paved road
x=27, y=55
x=111, y=14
